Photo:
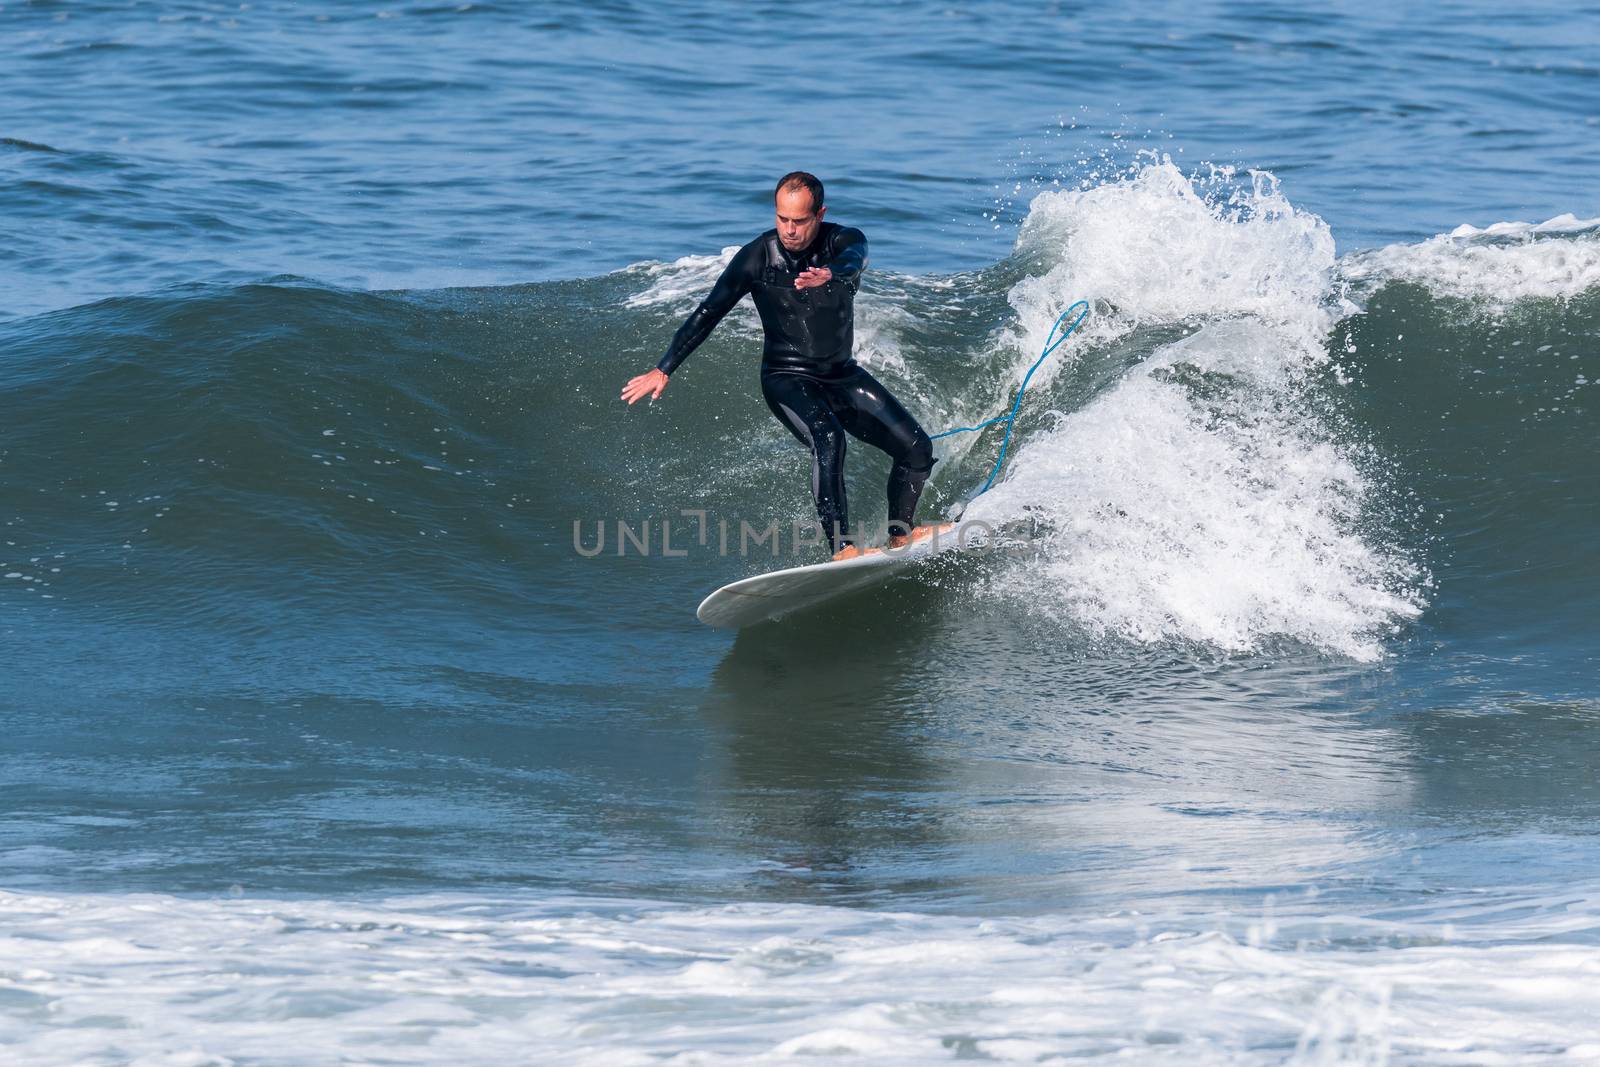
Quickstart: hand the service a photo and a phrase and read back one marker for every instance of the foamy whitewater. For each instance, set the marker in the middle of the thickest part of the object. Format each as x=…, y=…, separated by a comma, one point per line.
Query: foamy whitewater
x=1222, y=511
x=1260, y=728
x=157, y=980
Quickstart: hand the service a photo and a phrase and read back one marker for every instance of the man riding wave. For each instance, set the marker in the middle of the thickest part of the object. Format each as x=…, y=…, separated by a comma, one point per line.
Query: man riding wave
x=803, y=275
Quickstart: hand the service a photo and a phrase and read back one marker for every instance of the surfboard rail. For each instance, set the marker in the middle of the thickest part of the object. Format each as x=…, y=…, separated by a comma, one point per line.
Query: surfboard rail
x=778, y=593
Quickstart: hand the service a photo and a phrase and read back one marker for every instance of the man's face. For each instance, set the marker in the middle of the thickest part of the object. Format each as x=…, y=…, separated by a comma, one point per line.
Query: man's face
x=797, y=220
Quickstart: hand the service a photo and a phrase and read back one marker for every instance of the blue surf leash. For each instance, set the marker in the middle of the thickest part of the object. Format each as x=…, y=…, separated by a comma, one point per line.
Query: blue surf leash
x=1011, y=417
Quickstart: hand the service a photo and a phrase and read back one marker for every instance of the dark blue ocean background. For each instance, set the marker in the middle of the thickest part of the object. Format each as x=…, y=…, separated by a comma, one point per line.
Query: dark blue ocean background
x=321, y=742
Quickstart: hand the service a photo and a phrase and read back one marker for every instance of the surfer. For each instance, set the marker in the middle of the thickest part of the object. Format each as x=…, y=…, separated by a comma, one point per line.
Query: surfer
x=803, y=275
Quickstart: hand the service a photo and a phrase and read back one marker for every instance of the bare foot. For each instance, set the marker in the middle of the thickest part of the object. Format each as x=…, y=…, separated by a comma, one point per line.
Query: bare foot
x=921, y=533
x=848, y=552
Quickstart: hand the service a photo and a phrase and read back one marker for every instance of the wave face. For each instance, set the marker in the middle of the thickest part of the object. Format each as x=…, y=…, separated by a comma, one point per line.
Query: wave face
x=1252, y=440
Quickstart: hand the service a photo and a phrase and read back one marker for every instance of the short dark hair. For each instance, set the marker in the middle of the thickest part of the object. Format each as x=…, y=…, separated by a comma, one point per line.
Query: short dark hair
x=799, y=179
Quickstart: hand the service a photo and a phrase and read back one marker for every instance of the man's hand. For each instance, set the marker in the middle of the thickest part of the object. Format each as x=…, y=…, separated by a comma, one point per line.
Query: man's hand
x=810, y=279
x=651, y=383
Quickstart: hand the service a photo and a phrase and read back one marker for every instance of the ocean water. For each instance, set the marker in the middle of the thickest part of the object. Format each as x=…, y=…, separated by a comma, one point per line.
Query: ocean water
x=325, y=739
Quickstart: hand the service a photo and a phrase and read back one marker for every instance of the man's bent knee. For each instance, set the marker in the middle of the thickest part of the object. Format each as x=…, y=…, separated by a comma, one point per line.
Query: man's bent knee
x=919, y=457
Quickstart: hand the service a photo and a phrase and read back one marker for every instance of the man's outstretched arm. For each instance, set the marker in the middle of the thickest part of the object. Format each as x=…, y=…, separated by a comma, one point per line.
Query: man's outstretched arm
x=737, y=279
x=735, y=282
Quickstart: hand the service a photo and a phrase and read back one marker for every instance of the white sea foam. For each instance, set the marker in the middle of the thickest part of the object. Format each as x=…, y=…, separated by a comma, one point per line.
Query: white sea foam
x=1505, y=262
x=1197, y=499
x=681, y=284
x=164, y=981
x=1160, y=248
x=1221, y=520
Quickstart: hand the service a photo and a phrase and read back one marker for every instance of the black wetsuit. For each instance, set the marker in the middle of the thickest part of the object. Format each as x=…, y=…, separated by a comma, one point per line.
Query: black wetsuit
x=809, y=377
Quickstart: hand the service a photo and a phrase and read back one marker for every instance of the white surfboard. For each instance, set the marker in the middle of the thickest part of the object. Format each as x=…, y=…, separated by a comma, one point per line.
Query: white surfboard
x=778, y=593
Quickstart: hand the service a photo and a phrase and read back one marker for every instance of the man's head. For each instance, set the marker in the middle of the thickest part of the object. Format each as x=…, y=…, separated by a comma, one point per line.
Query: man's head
x=798, y=198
